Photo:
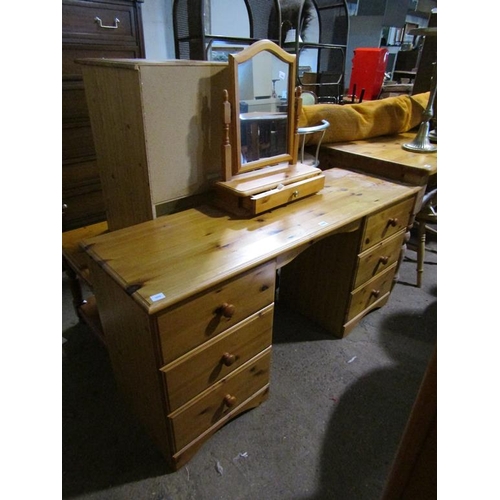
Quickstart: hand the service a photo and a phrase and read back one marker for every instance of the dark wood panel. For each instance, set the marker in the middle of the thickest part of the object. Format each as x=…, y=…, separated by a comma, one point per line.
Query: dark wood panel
x=77, y=142
x=79, y=174
x=83, y=210
x=83, y=37
x=74, y=104
x=118, y=21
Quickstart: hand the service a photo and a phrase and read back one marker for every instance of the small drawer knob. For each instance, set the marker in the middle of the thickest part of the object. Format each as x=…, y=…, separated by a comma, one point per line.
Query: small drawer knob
x=295, y=194
x=227, y=310
x=393, y=222
x=375, y=293
x=229, y=400
x=384, y=259
x=228, y=359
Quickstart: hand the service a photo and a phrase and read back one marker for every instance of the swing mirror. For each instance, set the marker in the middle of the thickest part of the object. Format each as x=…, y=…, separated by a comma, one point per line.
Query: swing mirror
x=262, y=97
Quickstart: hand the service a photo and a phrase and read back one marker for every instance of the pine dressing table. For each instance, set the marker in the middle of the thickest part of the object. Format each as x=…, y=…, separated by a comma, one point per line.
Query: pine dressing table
x=186, y=300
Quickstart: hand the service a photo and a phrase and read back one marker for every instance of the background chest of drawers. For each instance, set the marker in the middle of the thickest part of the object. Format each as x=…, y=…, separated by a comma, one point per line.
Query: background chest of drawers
x=90, y=28
x=190, y=368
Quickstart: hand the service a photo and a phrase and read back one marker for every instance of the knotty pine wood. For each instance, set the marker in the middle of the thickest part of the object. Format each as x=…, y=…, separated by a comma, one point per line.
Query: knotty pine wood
x=133, y=351
x=193, y=258
x=75, y=265
x=73, y=253
x=180, y=458
x=383, y=156
x=379, y=257
x=387, y=222
x=306, y=285
x=209, y=407
x=365, y=296
x=194, y=372
x=157, y=130
x=193, y=322
x=318, y=282
x=257, y=181
x=183, y=254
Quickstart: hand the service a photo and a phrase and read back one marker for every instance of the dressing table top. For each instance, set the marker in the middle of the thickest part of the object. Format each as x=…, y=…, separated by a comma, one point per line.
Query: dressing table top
x=173, y=257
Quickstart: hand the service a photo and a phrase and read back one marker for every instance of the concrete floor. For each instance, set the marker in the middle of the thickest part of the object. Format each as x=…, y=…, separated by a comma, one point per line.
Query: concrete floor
x=329, y=430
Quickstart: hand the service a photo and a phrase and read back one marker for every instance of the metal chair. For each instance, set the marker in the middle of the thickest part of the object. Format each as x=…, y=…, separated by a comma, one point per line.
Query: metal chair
x=331, y=47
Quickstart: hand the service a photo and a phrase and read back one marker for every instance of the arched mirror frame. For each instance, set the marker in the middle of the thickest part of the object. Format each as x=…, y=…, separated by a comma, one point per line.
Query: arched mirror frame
x=234, y=61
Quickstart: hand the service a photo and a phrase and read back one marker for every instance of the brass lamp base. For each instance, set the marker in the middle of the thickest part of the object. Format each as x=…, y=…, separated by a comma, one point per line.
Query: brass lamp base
x=422, y=143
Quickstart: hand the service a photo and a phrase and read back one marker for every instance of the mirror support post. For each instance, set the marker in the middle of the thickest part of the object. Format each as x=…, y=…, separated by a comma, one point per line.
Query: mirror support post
x=298, y=109
x=226, y=143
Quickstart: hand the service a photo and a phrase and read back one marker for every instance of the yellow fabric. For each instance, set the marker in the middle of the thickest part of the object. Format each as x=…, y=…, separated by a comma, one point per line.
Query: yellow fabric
x=351, y=122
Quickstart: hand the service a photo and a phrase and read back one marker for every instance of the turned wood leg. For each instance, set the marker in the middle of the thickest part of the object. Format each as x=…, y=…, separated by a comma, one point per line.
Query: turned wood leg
x=420, y=253
x=402, y=254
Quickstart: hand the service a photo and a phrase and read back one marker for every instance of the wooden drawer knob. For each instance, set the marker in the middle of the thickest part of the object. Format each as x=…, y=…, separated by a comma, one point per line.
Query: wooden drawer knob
x=384, y=259
x=227, y=310
x=393, y=222
x=375, y=293
x=229, y=400
x=228, y=359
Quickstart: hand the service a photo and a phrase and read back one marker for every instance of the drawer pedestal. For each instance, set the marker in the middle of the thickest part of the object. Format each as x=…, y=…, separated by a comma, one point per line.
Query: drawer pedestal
x=362, y=263
x=190, y=369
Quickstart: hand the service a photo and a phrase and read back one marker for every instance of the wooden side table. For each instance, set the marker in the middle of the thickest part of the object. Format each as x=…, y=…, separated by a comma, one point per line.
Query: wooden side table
x=383, y=156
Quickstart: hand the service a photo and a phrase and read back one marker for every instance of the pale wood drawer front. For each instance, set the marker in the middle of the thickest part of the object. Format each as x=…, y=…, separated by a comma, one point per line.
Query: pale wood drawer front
x=196, y=321
x=196, y=371
x=386, y=223
x=378, y=258
x=363, y=297
x=291, y=192
x=222, y=398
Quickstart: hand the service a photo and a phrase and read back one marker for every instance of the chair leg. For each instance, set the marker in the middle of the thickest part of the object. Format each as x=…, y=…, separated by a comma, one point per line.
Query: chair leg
x=420, y=252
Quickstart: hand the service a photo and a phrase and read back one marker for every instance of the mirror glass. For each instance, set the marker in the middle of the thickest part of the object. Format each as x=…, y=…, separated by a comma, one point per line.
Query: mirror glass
x=263, y=88
x=263, y=119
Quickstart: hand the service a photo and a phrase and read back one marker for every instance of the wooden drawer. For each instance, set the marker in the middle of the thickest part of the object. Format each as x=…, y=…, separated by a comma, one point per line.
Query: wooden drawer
x=79, y=20
x=195, y=321
x=364, y=297
x=84, y=209
x=196, y=371
x=386, y=223
x=292, y=192
x=74, y=103
x=77, y=141
x=378, y=258
x=221, y=399
x=80, y=176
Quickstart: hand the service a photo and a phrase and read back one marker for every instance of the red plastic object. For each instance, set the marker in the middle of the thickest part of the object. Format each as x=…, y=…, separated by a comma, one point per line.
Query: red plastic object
x=368, y=68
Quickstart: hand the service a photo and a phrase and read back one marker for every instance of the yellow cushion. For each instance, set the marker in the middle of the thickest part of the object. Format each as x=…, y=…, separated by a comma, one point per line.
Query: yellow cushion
x=351, y=122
